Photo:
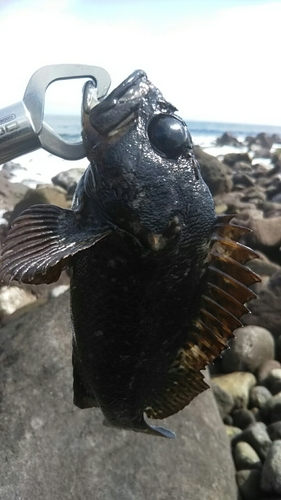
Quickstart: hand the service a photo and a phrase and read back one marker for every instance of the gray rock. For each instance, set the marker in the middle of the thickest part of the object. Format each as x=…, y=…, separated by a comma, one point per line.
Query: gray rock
x=252, y=346
x=245, y=457
x=249, y=484
x=52, y=450
x=276, y=387
x=58, y=290
x=273, y=376
x=243, y=418
x=257, y=437
x=259, y=395
x=266, y=309
x=274, y=430
x=214, y=172
x=232, y=158
x=224, y=400
x=13, y=298
x=228, y=139
x=264, y=370
x=237, y=385
x=266, y=233
x=271, y=472
x=232, y=431
x=271, y=411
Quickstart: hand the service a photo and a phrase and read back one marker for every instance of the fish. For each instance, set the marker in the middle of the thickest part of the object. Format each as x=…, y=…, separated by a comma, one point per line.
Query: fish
x=158, y=280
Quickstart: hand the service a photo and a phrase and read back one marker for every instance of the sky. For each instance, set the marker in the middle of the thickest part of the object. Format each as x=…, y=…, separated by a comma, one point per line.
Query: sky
x=215, y=60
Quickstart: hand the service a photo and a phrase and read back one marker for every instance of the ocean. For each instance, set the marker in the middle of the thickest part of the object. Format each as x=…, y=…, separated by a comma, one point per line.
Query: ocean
x=38, y=167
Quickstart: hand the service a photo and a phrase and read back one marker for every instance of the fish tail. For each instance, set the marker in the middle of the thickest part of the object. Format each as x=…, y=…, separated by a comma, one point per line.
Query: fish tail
x=142, y=426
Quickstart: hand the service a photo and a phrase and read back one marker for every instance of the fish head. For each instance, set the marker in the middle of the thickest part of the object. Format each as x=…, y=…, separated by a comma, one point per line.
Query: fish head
x=143, y=172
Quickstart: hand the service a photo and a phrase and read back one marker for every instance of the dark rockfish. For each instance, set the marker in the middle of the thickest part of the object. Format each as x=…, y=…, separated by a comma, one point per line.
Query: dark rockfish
x=158, y=281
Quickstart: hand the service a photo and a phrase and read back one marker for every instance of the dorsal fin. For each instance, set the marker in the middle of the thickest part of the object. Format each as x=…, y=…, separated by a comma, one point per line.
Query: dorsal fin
x=222, y=305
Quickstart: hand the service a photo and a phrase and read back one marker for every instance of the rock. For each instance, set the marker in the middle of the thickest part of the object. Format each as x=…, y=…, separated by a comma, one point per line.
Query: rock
x=265, y=370
x=228, y=139
x=249, y=484
x=242, y=179
x=252, y=346
x=274, y=430
x=245, y=457
x=257, y=437
x=232, y=431
x=273, y=376
x=263, y=266
x=271, y=411
x=259, y=395
x=271, y=472
x=266, y=309
x=10, y=193
x=232, y=158
x=12, y=167
x=266, y=233
x=42, y=194
x=58, y=290
x=223, y=399
x=13, y=298
x=262, y=140
x=243, y=418
x=68, y=179
x=261, y=152
x=213, y=172
x=237, y=385
x=276, y=387
x=52, y=450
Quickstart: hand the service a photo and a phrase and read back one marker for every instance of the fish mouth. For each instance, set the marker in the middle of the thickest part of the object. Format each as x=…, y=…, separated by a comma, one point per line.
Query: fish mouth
x=119, y=108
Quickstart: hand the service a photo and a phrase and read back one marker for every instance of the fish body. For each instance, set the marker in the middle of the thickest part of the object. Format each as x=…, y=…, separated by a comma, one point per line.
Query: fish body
x=152, y=298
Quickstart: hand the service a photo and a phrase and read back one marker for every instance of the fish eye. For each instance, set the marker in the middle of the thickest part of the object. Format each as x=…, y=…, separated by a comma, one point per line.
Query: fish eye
x=168, y=135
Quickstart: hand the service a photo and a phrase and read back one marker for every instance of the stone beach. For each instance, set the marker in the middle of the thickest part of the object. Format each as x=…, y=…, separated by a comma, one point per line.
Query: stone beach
x=229, y=438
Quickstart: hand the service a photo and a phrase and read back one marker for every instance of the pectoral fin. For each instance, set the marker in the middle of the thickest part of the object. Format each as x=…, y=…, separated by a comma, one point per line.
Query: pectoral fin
x=41, y=241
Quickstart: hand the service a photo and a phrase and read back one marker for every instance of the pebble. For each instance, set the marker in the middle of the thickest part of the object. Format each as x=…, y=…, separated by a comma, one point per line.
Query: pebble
x=243, y=418
x=271, y=472
x=251, y=348
x=259, y=395
x=245, y=457
x=271, y=411
x=274, y=430
x=257, y=437
x=237, y=385
x=272, y=377
x=249, y=484
x=265, y=369
x=232, y=431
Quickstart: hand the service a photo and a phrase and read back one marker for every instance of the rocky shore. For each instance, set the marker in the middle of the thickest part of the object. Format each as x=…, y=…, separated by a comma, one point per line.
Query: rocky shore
x=245, y=381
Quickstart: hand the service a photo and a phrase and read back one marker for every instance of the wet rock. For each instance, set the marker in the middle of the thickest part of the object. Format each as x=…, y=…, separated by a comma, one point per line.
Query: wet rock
x=274, y=430
x=259, y=395
x=271, y=472
x=42, y=194
x=237, y=385
x=13, y=298
x=262, y=140
x=249, y=484
x=52, y=450
x=250, y=349
x=68, y=179
x=245, y=457
x=224, y=400
x=213, y=172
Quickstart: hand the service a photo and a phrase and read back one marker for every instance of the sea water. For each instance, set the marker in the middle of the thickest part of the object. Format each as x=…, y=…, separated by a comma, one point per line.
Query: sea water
x=38, y=167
